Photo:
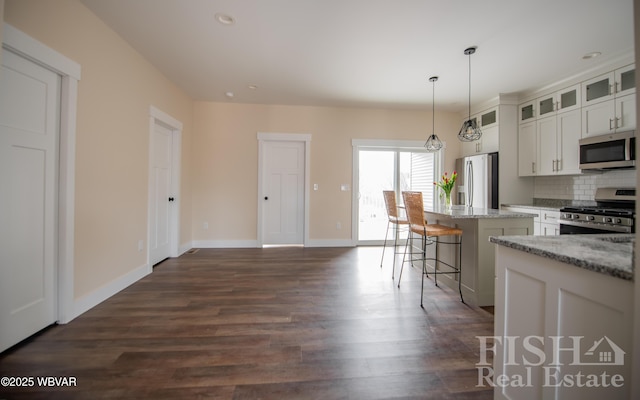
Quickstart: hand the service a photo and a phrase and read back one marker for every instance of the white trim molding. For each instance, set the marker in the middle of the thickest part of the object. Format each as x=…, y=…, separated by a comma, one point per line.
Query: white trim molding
x=156, y=115
x=224, y=244
x=382, y=145
x=20, y=43
x=88, y=301
x=284, y=137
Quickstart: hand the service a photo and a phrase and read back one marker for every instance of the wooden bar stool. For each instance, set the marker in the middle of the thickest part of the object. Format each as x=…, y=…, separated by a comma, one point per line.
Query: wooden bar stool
x=396, y=221
x=429, y=234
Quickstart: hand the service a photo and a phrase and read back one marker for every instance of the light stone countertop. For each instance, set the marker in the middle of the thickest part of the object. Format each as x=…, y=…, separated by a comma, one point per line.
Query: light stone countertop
x=464, y=212
x=610, y=254
x=534, y=207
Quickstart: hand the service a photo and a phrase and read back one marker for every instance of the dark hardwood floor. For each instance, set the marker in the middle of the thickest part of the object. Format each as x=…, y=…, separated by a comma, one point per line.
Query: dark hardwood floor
x=275, y=323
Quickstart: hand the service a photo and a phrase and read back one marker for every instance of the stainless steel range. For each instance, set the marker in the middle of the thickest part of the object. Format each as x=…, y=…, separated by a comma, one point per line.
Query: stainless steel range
x=615, y=213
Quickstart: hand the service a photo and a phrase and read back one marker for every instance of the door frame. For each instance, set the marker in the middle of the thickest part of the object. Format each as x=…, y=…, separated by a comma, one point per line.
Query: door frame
x=20, y=43
x=382, y=145
x=156, y=115
x=263, y=138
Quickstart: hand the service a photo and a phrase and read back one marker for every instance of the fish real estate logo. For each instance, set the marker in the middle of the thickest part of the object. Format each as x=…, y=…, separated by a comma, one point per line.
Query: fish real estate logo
x=532, y=352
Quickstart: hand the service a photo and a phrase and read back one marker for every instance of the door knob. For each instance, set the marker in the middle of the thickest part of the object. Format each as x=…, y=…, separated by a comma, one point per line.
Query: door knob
x=266, y=197
x=171, y=199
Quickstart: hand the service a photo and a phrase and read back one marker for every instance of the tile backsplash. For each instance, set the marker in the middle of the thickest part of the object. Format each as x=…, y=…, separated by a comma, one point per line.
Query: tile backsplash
x=581, y=187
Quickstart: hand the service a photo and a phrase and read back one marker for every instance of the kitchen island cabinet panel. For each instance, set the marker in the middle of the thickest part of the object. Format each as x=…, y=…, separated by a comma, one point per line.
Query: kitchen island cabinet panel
x=542, y=296
x=478, y=254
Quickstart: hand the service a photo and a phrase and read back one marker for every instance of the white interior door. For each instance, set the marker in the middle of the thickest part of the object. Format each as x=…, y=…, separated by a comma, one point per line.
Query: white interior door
x=29, y=135
x=161, y=199
x=283, y=192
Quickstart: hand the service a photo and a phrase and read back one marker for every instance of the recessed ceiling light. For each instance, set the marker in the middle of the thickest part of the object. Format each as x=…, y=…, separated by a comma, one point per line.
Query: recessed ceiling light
x=252, y=87
x=225, y=19
x=591, y=55
x=229, y=95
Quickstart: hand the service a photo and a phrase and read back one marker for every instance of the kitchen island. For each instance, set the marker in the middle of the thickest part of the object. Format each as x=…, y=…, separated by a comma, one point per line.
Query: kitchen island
x=574, y=295
x=477, y=224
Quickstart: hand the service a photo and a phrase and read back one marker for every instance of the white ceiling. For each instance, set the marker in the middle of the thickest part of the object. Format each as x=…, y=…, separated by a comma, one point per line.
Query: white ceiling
x=371, y=53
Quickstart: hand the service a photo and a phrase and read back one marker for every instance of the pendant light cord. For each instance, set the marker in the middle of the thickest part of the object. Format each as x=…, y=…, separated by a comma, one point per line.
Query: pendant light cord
x=433, y=108
x=469, y=56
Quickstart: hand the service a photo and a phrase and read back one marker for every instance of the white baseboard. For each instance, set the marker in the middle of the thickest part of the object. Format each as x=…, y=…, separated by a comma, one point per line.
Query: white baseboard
x=88, y=301
x=224, y=244
x=183, y=248
x=330, y=243
x=231, y=244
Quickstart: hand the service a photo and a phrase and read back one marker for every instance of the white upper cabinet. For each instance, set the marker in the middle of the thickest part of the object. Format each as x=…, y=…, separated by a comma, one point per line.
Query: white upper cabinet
x=568, y=134
x=598, y=118
x=568, y=99
x=527, y=149
x=625, y=109
x=546, y=145
x=527, y=112
x=546, y=105
x=625, y=80
x=598, y=89
x=617, y=115
x=563, y=100
x=489, y=142
x=619, y=82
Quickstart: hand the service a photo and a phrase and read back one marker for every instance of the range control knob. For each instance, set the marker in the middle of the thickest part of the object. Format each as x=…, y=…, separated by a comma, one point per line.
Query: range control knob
x=590, y=218
x=618, y=221
x=608, y=220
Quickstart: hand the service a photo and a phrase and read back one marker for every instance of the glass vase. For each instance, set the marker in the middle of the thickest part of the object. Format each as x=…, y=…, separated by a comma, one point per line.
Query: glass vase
x=447, y=200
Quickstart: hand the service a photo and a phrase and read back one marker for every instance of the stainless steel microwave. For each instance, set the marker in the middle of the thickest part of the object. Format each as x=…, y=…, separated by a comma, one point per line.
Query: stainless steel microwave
x=615, y=150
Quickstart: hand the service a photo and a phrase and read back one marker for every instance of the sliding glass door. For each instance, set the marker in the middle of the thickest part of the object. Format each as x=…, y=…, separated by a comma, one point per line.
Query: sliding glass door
x=381, y=169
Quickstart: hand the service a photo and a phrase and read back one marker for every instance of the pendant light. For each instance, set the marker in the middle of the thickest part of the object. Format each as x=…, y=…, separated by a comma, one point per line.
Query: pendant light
x=470, y=130
x=433, y=143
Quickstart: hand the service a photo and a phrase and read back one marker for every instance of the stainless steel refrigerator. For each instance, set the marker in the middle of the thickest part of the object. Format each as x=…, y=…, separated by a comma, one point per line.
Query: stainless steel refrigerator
x=477, y=183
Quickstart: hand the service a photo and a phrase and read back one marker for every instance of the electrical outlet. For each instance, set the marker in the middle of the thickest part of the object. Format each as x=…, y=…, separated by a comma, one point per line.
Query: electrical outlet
x=205, y=226
x=338, y=225
x=140, y=245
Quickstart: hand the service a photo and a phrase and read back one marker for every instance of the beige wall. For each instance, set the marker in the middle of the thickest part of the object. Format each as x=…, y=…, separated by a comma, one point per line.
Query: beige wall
x=225, y=165
x=115, y=92
x=219, y=149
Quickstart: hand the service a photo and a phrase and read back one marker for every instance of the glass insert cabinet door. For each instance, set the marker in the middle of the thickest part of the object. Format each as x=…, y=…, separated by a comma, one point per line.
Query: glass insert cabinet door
x=527, y=112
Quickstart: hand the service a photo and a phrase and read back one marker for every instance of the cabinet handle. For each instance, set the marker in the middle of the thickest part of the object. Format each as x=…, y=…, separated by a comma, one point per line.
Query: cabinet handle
x=558, y=165
x=554, y=165
x=533, y=167
x=610, y=124
x=618, y=123
x=616, y=87
x=610, y=89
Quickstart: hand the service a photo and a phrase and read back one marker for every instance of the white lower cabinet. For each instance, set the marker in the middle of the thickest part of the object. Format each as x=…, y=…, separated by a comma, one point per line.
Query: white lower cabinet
x=561, y=331
x=546, y=222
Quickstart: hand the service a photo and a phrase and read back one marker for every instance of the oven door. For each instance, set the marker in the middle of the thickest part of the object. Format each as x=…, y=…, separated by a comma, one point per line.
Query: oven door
x=579, y=228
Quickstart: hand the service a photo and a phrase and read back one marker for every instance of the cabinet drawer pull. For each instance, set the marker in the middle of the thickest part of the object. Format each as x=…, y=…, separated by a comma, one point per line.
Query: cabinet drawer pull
x=610, y=124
